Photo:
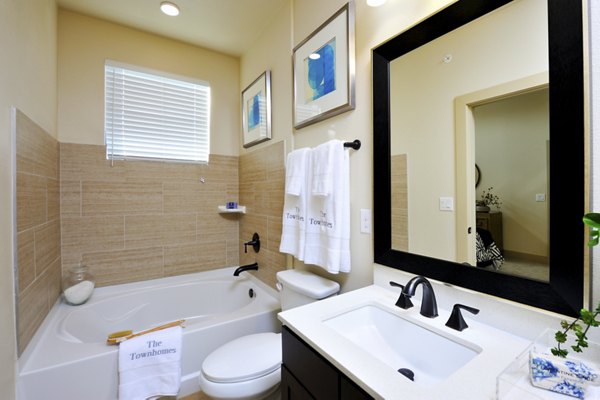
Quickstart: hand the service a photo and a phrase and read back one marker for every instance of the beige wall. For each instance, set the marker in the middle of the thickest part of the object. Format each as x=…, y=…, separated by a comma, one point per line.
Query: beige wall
x=271, y=51
x=274, y=50
x=84, y=43
x=27, y=81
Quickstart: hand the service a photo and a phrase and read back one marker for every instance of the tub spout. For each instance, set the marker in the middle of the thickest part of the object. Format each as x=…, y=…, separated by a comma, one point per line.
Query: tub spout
x=245, y=268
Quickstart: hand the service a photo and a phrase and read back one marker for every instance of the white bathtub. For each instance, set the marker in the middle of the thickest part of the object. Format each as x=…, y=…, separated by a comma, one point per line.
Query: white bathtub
x=68, y=357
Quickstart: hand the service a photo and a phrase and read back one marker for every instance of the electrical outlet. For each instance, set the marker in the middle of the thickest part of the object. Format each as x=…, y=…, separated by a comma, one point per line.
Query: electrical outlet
x=365, y=220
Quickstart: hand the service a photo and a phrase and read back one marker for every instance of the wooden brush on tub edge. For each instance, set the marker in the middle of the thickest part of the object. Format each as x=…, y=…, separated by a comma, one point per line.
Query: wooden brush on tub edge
x=121, y=336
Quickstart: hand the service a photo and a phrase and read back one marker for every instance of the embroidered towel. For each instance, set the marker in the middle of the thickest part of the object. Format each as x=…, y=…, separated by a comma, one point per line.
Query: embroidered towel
x=294, y=207
x=150, y=365
x=328, y=218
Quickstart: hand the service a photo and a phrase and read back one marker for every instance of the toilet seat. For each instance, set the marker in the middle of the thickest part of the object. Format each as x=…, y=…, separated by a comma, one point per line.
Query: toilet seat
x=244, y=359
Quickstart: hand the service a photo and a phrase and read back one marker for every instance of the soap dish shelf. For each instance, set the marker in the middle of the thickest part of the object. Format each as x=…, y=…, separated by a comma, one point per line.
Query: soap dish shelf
x=238, y=210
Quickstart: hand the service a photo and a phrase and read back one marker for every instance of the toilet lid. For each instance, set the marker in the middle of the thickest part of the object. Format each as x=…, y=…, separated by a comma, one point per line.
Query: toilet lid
x=244, y=358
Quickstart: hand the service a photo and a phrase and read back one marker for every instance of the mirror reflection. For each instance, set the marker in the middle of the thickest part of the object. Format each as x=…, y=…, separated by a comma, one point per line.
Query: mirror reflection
x=476, y=96
x=511, y=151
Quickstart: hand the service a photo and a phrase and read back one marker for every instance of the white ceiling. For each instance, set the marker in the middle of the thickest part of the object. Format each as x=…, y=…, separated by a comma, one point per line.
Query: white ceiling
x=228, y=26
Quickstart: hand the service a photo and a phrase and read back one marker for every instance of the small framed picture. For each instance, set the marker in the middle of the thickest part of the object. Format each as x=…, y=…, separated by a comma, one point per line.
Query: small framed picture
x=324, y=70
x=256, y=110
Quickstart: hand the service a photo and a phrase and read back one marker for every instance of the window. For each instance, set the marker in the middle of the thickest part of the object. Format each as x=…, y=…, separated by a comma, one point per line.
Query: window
x=154, y=116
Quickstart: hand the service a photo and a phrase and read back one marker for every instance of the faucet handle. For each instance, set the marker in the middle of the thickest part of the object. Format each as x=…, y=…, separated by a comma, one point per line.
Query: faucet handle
x=404, y=300
x=255, y=243
x=456, y=320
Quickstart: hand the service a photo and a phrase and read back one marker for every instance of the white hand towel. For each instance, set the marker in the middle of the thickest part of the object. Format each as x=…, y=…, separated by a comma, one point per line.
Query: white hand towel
x=322, y=160
x=294, y=208
x=150, y=365
x=328, y=218
x=296, y=170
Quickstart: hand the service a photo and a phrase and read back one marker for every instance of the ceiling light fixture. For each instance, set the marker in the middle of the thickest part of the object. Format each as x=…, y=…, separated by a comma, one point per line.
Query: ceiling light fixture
x=375, y=3
x=169, y=8
x=314, y=56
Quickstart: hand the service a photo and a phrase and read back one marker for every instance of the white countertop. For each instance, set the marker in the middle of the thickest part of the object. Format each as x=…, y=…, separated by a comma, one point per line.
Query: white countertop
x=476, y=380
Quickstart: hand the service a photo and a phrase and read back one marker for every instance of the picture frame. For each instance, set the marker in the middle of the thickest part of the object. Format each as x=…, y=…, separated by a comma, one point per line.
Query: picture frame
x=324, y=70
x=256, y=111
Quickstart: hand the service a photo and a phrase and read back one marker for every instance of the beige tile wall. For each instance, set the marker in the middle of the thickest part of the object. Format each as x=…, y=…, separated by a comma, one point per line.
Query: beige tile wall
x=262, y=175
x=38, y=226
x=139, y=220
x=399, y=202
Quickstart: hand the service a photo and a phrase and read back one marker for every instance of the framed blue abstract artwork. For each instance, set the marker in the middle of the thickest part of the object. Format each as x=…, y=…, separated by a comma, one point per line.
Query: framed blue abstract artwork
x=256, y=110
x=324, y=70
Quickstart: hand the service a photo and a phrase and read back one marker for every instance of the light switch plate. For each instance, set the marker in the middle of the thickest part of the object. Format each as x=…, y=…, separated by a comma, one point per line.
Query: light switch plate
x=446, y=203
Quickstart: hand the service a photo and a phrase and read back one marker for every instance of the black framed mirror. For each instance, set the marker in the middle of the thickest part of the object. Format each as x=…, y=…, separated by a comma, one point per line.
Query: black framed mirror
x=564, y=291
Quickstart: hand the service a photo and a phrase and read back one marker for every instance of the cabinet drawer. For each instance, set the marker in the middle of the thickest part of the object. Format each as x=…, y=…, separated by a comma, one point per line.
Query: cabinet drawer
x=316, y=374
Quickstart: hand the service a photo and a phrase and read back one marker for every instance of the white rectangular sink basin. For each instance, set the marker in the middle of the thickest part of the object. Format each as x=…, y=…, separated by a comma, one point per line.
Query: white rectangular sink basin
x=402, y=344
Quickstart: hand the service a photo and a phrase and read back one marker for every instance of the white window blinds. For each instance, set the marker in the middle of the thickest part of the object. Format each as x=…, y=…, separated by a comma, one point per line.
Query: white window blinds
x=150, y=116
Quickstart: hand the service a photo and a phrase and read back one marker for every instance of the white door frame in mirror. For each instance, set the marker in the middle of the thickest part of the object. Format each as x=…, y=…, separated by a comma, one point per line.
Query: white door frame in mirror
x=465, y=154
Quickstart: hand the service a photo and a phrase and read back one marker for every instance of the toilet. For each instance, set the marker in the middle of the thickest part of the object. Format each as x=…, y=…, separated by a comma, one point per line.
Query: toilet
x=249, y=367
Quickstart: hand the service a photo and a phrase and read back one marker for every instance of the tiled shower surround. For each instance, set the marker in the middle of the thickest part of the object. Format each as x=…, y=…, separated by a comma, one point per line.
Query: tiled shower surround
x=262, y=182
x=38, y=226
x=138, y=220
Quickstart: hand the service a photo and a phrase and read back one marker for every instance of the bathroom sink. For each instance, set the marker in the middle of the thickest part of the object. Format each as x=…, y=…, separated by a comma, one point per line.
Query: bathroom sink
x=425, y=355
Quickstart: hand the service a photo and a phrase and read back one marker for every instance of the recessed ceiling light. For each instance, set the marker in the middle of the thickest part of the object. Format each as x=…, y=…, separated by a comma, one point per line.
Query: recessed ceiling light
x=375, y=3
x=169, y=8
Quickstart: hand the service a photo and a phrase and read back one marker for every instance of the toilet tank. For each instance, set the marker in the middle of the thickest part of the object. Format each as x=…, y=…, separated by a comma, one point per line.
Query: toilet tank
x=302, y=287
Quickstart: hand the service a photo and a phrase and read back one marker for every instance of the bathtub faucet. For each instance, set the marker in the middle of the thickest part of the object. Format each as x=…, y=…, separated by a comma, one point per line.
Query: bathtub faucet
x=245, y=268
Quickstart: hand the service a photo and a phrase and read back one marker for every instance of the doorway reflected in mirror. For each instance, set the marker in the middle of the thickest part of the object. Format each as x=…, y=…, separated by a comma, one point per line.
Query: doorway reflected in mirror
x=511, y=146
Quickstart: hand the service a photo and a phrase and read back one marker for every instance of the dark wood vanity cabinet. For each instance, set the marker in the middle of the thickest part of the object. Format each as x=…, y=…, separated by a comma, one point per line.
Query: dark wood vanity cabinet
x=305, y=374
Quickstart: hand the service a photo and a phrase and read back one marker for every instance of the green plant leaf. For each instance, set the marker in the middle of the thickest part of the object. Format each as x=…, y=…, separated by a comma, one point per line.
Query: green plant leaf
x=559, y=352
x=561, y=337
x=577, y=349
x=594, y=237
x=587, y=317
x=592, y=219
